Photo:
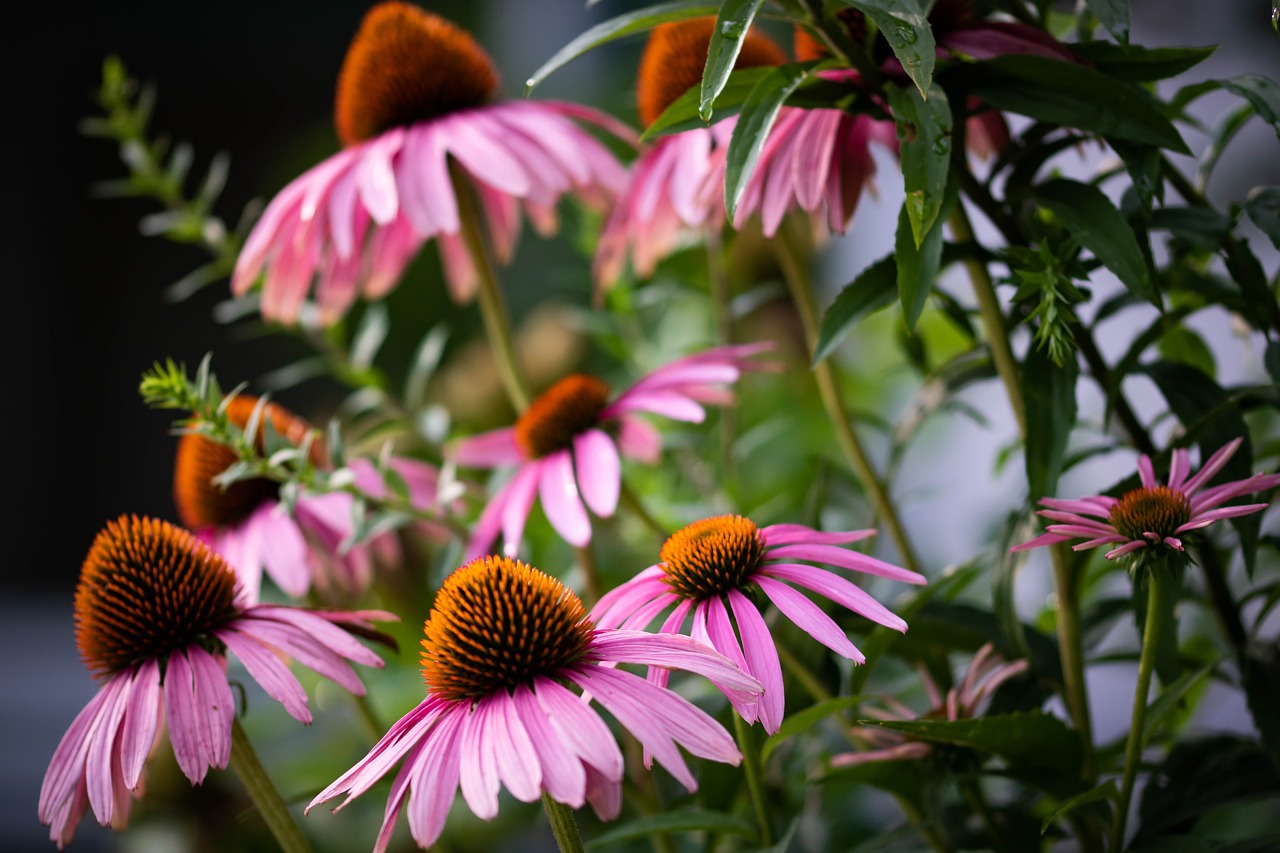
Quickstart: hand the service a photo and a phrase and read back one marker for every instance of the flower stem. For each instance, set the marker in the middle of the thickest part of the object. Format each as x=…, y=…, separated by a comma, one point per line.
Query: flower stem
x=1156, y=592
x=721, y=297
x=1070, y=647
x=755, y=777
x=974, y=797
x=245, y=763
x=797, y=278
x=590, y=574
x=634, y=505
x=793, y=666
x=563, y=825
x=493, y=309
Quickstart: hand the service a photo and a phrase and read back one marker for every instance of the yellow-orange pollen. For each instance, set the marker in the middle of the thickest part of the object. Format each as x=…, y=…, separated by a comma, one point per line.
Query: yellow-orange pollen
x=675, y=56
x=201, y=503
x=712, y=556
x=1159, y=510
x=406, y=65
x=498, y=623
x=560, y=414
x=148, y=588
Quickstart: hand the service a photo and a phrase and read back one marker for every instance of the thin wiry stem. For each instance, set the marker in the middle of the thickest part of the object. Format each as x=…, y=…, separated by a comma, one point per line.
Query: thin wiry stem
x=245, y=763
x=755, y=777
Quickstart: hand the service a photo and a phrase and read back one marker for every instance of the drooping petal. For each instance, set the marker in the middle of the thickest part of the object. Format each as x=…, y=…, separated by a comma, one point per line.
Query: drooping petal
x=599, y=471
x=479, y=765
x=672, y=651
x=762, y=657
x=847, y=559
x=559, y=495
x=488, y=449
x=517, y=760
x=270, y=672
x=838, y=589
x=809, y=618
x=580, y=727
x=98, y=769
x=563, y=776
x=433, y=778
x=141, y=722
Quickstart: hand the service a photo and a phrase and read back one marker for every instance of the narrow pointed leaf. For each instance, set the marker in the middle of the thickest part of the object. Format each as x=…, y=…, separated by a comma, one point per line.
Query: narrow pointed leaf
x=1263, y=207
x=1260, y=91
x=1098, y=226
x=1030, y=739
x=639, y=21
x=732, y=23
x=682, y=820
x=1104, y=792
x=907, y=31
x=1113, y=15
x=1171, y=698
x=924, y=134
x=917, y=266
x=1050, y=395
x=682, y=114
x=1141, y=64
x=875, y=287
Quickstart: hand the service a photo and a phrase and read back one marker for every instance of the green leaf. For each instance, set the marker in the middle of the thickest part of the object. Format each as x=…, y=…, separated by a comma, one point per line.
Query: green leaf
x=1260, y=307
x=1260, y=673
x=1060, y=92
x=1030, y=739
x=1183, y=345
x=1105, y=791
x=917, y=266
x=906, y=779
x=1261, y=92
x=924, y=134
x=908, y=33
x=802, y=721
x=1141, y=64
x=682, y=114
x=1263, y=207
x=627, y=24
x=1113, y=15
x=732, y=23
x=369, y=337
x=680, y=820
x=754, y=122
x=1050, y=395
x=875, y=287
x=1097, y=225
x=1171, y=697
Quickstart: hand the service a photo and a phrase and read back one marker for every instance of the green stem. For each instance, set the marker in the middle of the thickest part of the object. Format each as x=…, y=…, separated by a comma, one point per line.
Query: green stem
x=937, y=841
x=563, y=825
x=812, y=685
x=1070, y=646
x=992, y=320
x=590, y=574
x=978, y=802
x=629, y=499
x=721, y=297
x=245, y=763
x=797, y=279
x=1158, y=589
x=493, y=309
x=368, y=719
x=755, y=777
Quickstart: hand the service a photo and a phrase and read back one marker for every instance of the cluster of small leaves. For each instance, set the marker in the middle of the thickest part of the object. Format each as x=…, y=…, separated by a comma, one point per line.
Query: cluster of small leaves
x=160, y=170
x=168, y=386
x=1046, y=280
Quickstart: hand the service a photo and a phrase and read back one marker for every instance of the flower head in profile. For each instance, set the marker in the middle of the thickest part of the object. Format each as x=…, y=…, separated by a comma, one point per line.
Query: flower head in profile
x=567, y=445
x=675, y=184
x=415, y=110
x=504, y=645
x=156, y=614
x=1152, y=519
x=986, y=672
x=819, y=161
x=709, y=570
x=249, y=526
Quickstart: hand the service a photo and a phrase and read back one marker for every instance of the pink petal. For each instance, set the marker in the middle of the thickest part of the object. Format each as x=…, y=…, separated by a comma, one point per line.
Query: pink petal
x=98, y=766
x=809, y=618
x=1146, y=472
x=479, y=765
x=518, y=766
x=799, y=534
x=375, y=177
x=838, y=589
x=519, y=500
x=141, y=722
x=762, y=658
x=671, y=651
x=1210, y=469
x=580, y=727
x=616, y=604
x=1040, y=541
x=433, y=779
x=1126, y=549
x=599, y=471
x=559, y=495
x=270, y=672
x=1179, y=465
x=562, y=774
x=492, y=449
x=715, y=628
x=282, y=549
x=637, y=439
x=846, y=559
x=669, y=404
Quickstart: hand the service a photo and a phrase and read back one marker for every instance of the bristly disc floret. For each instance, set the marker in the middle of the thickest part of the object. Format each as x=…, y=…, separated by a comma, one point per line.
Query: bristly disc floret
x=498, y=623
x=561, y=413
x=202, y=503
x=147, y=589
x=712, y=556
x=1159, y=510
x=407, y=65
x=675, y=56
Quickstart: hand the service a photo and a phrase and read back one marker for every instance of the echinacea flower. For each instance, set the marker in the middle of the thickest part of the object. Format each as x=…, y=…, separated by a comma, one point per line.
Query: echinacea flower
x=414, y=108
x=820, y=160
x=709, y=568
x=675, y=185
x=156, y=614
x=568, y=443
x=249, y=526
x=1154, y=517
x=502, y=644
x=986, y=672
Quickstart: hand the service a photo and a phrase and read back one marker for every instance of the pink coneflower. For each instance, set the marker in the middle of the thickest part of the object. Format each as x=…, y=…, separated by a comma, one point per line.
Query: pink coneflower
x=247, y=524
x=502, y=642
x=156, y=614
x=413, y=102
x=709, y=568
x=1154, y=517
x=987, y=671
x=568, y=443
x=675, y=184
x=820, y=160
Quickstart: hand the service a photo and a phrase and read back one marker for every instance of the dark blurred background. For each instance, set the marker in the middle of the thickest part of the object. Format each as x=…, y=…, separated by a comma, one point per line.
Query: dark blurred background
x=88, y=315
